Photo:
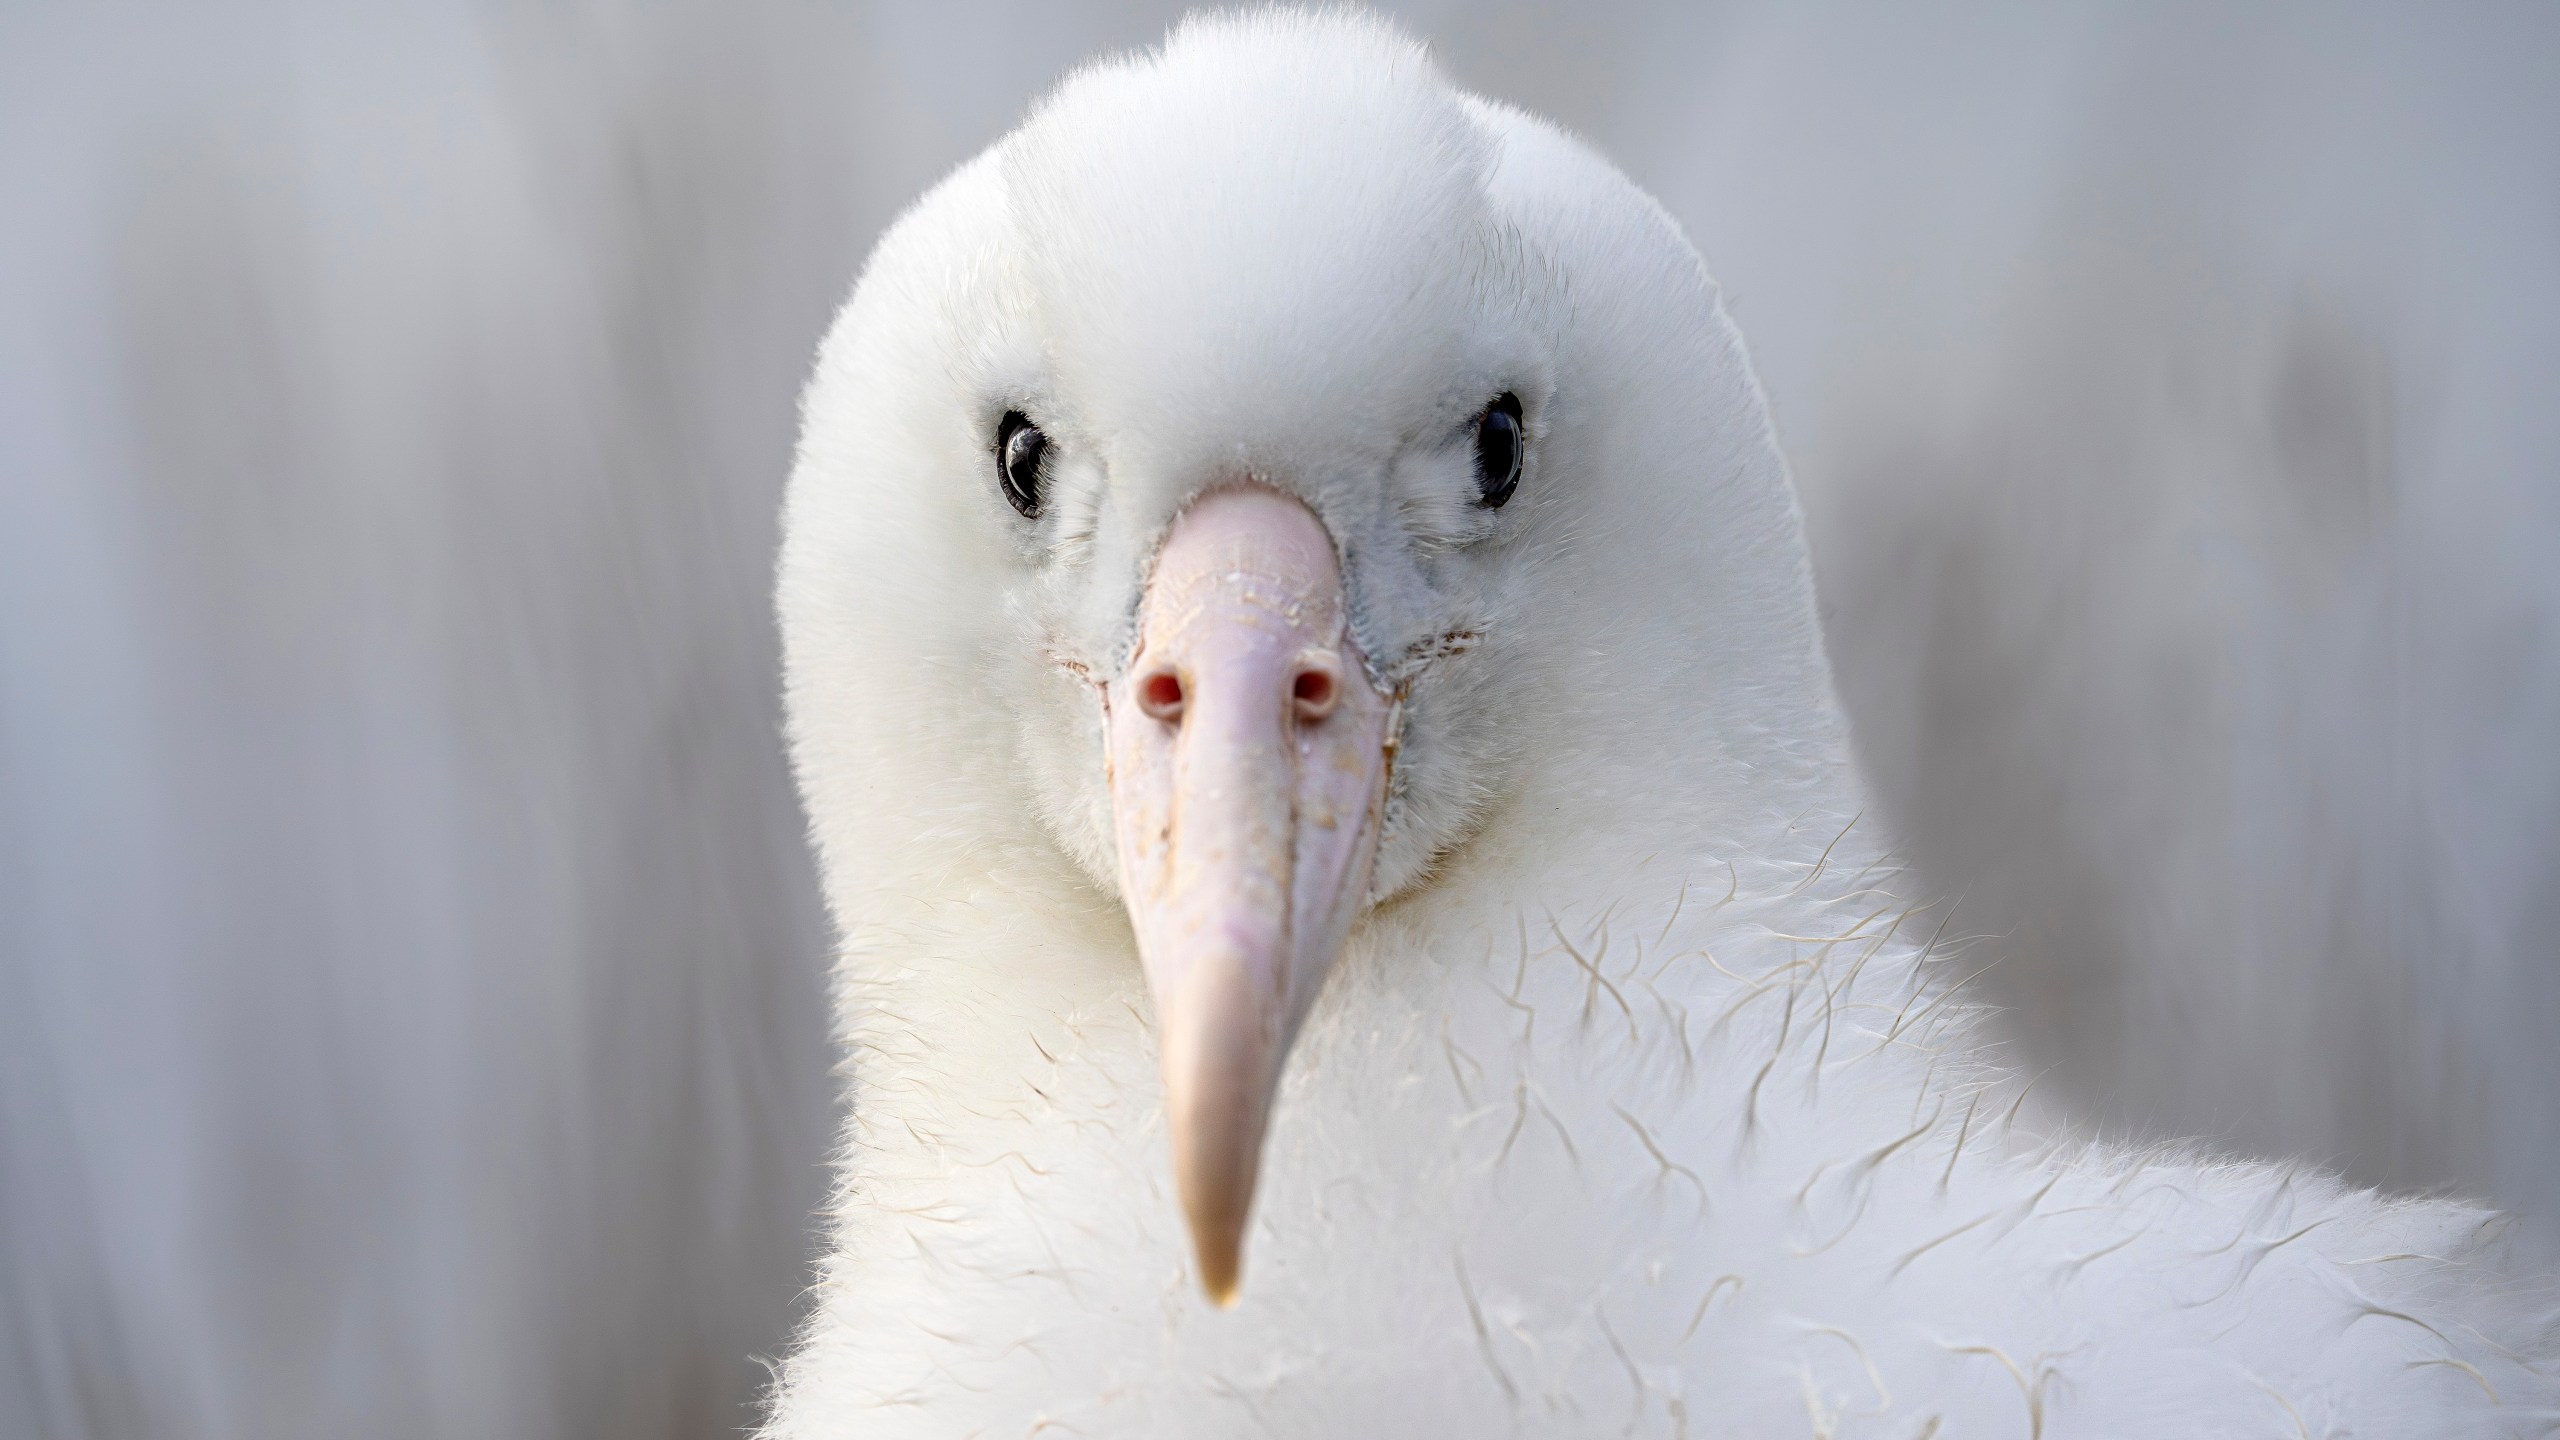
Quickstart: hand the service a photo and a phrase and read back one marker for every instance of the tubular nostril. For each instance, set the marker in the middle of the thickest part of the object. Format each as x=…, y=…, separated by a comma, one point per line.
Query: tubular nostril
x=1160, y=695
x=1317, y=686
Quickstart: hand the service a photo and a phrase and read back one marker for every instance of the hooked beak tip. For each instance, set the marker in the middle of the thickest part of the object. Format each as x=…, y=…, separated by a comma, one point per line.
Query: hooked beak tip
x=1221, y=1267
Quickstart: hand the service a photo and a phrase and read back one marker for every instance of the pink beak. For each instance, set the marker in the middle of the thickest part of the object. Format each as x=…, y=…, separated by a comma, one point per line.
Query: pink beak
x=1248, y=766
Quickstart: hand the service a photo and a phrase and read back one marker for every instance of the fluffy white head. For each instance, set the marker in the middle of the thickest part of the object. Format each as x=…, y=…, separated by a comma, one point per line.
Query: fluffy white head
x=1283, y=249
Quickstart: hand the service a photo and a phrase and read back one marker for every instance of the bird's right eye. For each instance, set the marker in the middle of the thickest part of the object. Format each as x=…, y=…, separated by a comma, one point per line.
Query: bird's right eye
x=1022, y=452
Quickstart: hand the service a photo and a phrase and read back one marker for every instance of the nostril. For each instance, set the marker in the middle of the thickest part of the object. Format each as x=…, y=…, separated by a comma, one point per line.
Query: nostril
x=1160, y=695
x=1316, y=687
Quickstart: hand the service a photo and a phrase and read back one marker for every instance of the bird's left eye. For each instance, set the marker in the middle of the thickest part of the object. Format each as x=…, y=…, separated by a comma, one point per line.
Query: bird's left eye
x=1021, y=452
x=1498, y=451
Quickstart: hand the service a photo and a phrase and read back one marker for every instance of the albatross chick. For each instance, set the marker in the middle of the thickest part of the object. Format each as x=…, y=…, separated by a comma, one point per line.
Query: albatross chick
x=1355, y=915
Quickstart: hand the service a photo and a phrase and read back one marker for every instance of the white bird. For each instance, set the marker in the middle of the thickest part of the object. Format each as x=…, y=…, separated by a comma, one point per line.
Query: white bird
x=1288, y=562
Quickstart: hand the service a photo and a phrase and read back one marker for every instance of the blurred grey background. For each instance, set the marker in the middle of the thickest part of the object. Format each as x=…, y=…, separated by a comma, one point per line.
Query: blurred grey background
x=411, y=1015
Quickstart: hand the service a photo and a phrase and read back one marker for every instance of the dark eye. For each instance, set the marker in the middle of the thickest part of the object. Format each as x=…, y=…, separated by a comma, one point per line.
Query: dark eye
x=1498, y=451
x=1021, y=452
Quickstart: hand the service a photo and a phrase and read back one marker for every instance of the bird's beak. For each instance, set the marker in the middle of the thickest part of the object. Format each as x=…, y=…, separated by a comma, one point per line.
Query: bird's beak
x=1248, y=764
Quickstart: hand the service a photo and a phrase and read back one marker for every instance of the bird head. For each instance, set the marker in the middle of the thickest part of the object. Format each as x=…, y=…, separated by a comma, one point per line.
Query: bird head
x=1238, y=488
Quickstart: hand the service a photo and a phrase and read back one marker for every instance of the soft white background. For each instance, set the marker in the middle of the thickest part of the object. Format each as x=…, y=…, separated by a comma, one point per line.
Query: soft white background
x=411, y=1016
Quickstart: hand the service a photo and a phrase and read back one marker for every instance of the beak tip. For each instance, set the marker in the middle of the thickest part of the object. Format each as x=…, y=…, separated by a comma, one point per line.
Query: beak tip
x=1222, y=1276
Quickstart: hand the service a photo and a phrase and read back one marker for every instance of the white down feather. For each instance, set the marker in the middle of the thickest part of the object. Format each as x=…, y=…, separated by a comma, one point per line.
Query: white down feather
x=1645, y=1100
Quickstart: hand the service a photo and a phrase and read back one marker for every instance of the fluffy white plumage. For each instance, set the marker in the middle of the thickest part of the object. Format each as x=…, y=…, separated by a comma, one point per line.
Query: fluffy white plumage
x=1640, y=1102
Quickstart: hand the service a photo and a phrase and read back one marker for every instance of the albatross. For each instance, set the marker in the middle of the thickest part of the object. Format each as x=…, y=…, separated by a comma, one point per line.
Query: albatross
x=1356, y=913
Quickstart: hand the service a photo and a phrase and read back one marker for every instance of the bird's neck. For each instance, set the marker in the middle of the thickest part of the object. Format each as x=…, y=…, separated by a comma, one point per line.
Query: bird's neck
x=1624, y=1047
x=970, y=1020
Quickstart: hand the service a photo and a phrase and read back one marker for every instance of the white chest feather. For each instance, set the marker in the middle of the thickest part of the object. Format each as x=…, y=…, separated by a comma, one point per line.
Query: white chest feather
x=1734, y=1172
